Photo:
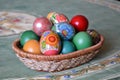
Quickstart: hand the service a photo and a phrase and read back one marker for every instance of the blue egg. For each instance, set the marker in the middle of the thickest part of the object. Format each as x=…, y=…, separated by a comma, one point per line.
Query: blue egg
x=67, y=47
x=65, y=30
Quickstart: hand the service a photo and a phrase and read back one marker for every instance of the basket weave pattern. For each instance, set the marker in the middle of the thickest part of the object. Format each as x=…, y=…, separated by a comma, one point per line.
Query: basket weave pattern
x=57, y=62
x=56, y=65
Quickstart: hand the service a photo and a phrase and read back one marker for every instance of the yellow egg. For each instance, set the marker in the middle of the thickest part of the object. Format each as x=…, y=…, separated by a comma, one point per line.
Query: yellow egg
x=50, y=43
x=32, y=46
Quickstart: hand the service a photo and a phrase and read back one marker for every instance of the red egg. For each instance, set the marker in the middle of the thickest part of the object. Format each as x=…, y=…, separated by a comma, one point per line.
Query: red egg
x=41, y=25
x=79, y=22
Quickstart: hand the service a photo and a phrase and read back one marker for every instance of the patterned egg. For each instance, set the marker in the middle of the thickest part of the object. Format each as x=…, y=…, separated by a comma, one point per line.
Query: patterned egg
x=65, y=30
x=95, y=35
x=50, y=43
x=41, y=24
x=50, y=14
x=57, y=17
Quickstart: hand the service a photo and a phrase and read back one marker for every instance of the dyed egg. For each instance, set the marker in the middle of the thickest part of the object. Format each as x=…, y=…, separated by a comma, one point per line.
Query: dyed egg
x=28, y=35
x=41, y=25
x=57, y=17
x=65, y=30
x=82, y=40
x=95, y=35
x=53, y=28
x=79, y=22
x=67, y=47
x=32, y=46
x=50, y=43
x=50, y=14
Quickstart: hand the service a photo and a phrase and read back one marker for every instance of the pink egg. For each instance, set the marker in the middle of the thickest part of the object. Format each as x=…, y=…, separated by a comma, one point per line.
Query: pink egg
x=51, y=52
x=41, y=25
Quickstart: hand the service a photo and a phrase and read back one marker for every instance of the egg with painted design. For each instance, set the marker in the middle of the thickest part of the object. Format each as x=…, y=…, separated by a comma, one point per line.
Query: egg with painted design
x=65, y=30
x=95, y=35
x=56, y=17
x=50, y=43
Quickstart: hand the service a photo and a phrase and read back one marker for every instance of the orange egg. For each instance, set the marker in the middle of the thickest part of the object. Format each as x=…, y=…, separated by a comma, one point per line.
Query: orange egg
x=32, y=46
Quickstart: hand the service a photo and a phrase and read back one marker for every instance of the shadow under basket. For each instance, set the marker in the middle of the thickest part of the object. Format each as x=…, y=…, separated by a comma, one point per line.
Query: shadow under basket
x=56, y=62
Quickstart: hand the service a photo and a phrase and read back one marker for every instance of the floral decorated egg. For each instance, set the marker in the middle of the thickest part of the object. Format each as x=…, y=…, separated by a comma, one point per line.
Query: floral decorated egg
x=95, y=35
x=50, y=14
x=65, y=30
x=57, y=17
x=50, y=43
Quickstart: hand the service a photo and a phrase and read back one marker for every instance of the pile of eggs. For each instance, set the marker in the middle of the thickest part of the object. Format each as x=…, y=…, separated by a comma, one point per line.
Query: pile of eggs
x=55, y=34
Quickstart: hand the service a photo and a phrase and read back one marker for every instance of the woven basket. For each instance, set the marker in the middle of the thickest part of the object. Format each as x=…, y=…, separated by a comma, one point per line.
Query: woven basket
x=56, y=62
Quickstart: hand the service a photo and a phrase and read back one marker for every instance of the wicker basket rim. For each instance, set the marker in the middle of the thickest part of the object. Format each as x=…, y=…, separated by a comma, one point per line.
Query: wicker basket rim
x=74, y=54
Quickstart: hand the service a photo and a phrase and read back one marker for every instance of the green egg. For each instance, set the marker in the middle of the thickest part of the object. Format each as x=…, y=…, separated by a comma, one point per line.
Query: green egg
x=67, y=47
x=82, y=40
x=28, y=35
x=53, y=28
